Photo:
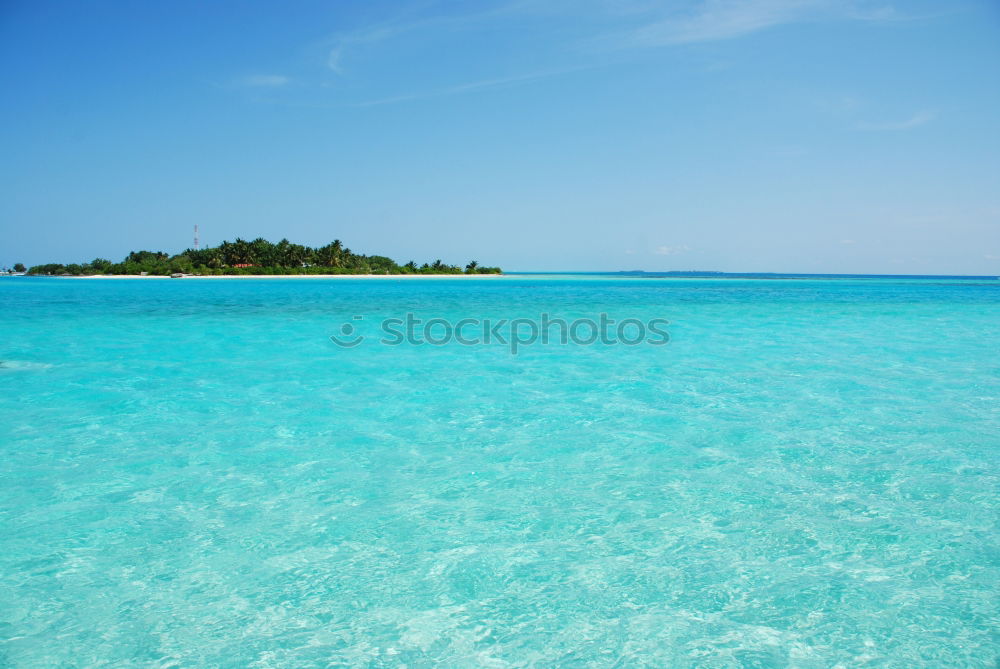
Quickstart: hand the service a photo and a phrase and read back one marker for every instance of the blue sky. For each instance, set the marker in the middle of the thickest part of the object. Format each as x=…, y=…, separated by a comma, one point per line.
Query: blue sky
x=762, y=135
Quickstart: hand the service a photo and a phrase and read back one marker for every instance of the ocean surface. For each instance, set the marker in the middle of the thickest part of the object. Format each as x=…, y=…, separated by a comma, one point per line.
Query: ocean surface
x=194, y=474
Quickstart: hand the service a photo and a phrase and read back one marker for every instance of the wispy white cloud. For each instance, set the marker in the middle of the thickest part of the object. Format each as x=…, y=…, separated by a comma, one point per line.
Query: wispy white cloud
x=483, y=84
x=341, y=45
x=263, y=81
x=650, y=25
x=633, y=24
x=344, y=43
x=713, y=20
x=506, y=81
x=721, y=19
x=918, y=119
x=670, y=250
x=841, y=104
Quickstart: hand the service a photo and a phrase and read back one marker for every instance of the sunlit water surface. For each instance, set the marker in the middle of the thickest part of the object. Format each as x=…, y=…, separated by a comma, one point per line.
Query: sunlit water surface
x=193, y=474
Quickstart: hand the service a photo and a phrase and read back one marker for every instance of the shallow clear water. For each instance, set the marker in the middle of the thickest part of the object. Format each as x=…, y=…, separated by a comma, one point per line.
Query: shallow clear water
x=193, y=474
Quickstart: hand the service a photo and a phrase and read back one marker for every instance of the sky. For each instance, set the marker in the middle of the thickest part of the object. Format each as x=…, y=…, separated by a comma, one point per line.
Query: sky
x=827, y=136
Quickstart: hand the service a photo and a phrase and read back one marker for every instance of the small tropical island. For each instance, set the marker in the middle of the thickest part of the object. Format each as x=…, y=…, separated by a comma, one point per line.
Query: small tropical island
x=257, y=257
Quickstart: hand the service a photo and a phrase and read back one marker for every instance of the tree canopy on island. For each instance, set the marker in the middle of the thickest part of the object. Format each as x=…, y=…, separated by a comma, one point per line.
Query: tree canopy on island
x=257, y=257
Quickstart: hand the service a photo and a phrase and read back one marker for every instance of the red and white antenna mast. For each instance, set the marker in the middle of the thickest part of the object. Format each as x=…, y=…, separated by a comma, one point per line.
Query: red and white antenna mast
x=196, y=238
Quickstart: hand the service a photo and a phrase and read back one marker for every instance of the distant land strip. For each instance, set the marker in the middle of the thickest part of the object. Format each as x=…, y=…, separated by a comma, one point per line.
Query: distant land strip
x=258, y=257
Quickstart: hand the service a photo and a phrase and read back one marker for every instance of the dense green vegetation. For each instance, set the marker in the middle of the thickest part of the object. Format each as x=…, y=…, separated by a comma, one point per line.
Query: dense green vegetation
x=257, y=257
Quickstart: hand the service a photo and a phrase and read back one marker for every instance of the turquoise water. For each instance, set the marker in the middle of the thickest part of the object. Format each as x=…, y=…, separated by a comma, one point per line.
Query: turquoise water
x=193, y=474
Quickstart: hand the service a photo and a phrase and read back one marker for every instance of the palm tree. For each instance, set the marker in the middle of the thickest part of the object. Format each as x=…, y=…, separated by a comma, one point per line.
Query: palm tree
x=240, y=253
x=262, y=252
x=471, y=267
x=330, y=255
